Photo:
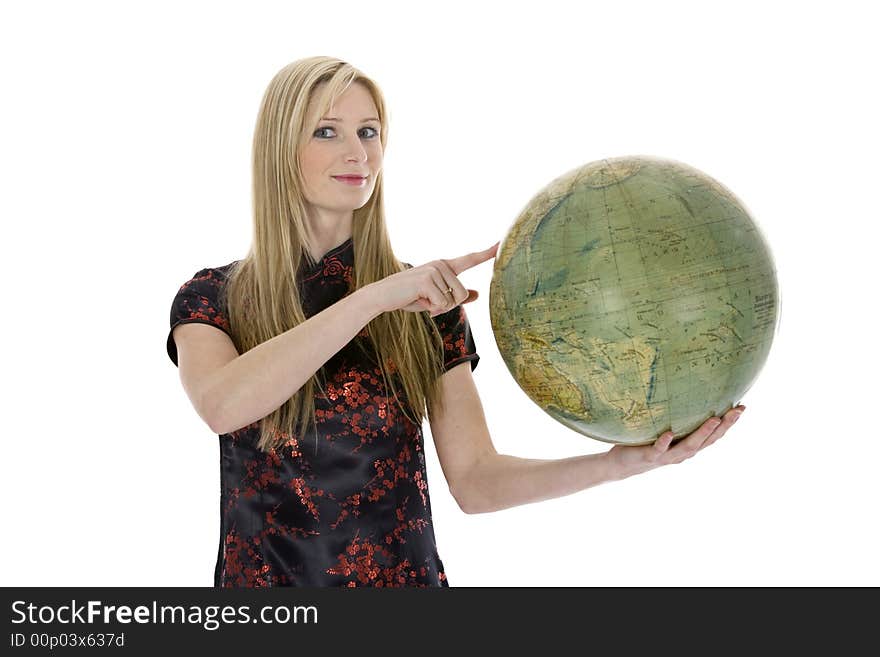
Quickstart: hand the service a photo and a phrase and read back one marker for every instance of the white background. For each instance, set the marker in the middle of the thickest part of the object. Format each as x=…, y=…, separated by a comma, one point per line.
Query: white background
x=126, y=132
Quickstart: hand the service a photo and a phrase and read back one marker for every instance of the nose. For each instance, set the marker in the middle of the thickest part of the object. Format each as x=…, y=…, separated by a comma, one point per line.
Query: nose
x=355, y=151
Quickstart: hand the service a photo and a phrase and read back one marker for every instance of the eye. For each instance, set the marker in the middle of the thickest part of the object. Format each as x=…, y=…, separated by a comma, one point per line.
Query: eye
x=327, y=127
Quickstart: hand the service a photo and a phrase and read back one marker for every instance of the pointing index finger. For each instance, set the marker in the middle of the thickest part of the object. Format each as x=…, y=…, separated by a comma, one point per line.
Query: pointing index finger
x=464, y=262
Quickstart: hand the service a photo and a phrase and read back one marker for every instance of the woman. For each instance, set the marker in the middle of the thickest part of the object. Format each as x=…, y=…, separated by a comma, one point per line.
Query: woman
x=318, y=356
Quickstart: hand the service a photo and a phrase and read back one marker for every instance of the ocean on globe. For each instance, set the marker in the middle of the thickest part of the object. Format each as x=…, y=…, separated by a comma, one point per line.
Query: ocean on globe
x=633, y=296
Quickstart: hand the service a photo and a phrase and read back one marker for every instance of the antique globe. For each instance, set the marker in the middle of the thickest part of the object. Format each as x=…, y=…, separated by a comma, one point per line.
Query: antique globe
x=633, y=296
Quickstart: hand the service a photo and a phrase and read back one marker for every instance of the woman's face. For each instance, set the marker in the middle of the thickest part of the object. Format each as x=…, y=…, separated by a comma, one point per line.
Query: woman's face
x=347, y=145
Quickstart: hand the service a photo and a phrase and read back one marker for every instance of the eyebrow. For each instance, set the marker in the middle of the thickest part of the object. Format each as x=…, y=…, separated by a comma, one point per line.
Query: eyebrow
x=333, y=118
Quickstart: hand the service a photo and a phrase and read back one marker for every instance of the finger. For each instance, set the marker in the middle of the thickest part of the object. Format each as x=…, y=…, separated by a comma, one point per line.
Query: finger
x=432, y=288
x=661, y=445
x=459, y=292
x=464, y=262
x=729, y=419
x=447, y=300
x=691, y=444
x=472, y=296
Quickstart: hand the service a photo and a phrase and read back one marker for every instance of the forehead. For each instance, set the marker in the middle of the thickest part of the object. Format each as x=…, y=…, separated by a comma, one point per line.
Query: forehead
x=354, y=104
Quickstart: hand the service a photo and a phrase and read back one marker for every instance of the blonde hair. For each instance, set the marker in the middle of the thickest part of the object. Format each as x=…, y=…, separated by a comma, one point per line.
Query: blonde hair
x=261, y=293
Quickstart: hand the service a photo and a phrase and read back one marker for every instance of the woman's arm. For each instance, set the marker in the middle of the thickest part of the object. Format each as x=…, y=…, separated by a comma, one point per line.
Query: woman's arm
x=256, y=383
x=231, y=391
x=481, y=480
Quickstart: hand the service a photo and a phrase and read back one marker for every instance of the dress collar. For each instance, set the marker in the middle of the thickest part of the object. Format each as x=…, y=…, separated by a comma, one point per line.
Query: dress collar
x=336, y=261
x=338, y=249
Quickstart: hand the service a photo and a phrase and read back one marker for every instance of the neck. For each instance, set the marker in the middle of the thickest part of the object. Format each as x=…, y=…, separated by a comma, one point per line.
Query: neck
x=326, y=233
x=324, y=246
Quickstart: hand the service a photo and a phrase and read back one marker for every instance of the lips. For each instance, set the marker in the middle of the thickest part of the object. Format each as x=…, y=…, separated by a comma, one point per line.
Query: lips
x=353, y=181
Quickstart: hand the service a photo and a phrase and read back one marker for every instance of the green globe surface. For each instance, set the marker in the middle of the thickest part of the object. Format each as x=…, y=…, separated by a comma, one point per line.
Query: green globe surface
x=633, y=296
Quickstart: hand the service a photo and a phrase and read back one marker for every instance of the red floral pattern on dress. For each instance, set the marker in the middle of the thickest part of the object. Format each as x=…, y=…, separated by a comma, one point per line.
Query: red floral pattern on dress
x=346, y=503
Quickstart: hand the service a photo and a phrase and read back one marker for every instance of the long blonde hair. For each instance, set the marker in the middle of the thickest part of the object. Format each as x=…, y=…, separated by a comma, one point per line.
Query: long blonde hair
x=261, y=293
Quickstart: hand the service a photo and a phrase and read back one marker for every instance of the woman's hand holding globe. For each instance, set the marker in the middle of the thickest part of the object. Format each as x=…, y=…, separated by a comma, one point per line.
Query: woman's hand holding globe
x=628, y=460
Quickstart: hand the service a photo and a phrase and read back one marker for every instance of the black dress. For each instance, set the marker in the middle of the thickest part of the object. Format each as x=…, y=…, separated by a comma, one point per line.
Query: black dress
x=347, y=503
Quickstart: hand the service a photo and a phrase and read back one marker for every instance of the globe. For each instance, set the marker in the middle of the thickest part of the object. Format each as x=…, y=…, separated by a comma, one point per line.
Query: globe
x=633, y=296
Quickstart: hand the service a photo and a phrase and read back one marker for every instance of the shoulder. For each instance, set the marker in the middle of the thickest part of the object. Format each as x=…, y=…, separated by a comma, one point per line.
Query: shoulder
x=208, y=278
x=201, y=299
x=219, y=273
x=203, y=292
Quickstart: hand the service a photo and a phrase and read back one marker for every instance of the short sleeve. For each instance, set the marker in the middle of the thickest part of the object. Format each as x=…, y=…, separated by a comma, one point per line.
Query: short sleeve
x=458, y=341
x=198, y=301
